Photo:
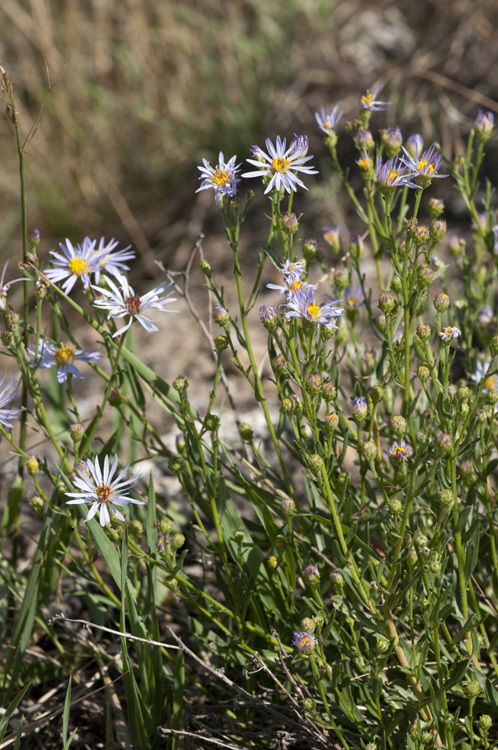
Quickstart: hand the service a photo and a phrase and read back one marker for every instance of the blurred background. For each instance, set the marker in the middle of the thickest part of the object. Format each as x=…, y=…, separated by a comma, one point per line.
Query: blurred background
x=142, y=90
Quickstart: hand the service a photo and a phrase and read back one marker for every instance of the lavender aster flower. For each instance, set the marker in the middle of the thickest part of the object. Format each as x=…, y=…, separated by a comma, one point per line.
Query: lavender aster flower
x=7, y=395
x=104, y=492
x=109, y=260
x=423, y=167
x=398, y=452
x=72, y=264
x=353, y=299
x=327, y=121
x=63, y=357
x=222, y=178
x=391, y=175
x=280, y=164
x=359, y=407
x=484, y=124
x=303, y=305
x=450, y=333
x=304, y=642
x=370, y=103
x=122, y=302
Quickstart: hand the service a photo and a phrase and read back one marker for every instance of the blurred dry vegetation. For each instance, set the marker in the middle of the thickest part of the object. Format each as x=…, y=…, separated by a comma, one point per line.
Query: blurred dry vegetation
x=142, y=90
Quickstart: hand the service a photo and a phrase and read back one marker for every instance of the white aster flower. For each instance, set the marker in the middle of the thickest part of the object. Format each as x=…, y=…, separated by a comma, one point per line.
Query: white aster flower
x=369, y=101
x=99, y=488
x=72, y=264
x=109, y=260
x=7, y=395
x=327, y=121
x=4, y=287
x=222, y=178
x=122, y=302
x=281, y=164
x=49, y=355
x=450, y=333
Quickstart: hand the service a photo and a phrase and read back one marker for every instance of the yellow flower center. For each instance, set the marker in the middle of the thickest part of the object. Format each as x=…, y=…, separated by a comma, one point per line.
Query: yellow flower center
x=391, y=176
x=104, y=493
x=79, y=266
x=280, y=165
x=64, y=355
x=398, y=452
x=367, y=99
x=313, y=311
x=490, y=382
x=295, y=286
x=330, y=237
x=353, y=302
x=365, y=164
x=220, y=177
x=422, y=164
x=448, y=331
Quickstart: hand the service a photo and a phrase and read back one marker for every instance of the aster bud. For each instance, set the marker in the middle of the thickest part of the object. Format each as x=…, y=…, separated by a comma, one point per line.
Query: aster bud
x=435, y=207
x=398, y=425
x=341, y=278
x=272, y=562
x=365, y=140
x=206, y=268
x=423, y=331
x=313, y=382
x=36, y=504
x=175, y=465
x=312, y=574
x=246, y=432
x=32, y=466
x=290, y=223
x=211, y=422
x=425, y=275
x=177, y=541
x=441, y=302
x=386, y=302
x=369, y=450
x=307, y=623
x=268, y=315
x=288, y=506
x=180, y=383
x=221, y=343
x=329, y=392
x=337, y=578
x=484, y=125
x=446, y=498
x=116, y=397
x=438, y=229
x=356, y=247
x=472, y=689
x=456, y=246
x=220, y=315
x=445, y=442
x=310, y=250
x=315, y=462
x=279, y=363
x=484, y=722
x=77, y=431
x=423, y=373
x=376, y=393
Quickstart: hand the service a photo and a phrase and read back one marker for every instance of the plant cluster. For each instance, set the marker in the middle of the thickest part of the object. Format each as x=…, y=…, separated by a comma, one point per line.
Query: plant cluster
x=337, y=580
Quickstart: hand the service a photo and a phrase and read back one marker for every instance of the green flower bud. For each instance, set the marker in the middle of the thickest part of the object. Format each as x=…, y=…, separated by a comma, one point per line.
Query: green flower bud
x=421, y=541
x=246, y=432
x=175, y=465
x=492, y=397
x=180, y=383
x=309, y=705
x=313, y=382
x=369, y=450
x=288, y=506
x=395, y=506
x=445, y=442
x=206, y=268
x=172, y=583
x=32, y=466
x=472, y=689
x=310, y=250
x=212, y=422
x=425, y=275
x=221, y=343
x=398, y=424
x=77, y=431
x=337, y=578
x=136, y=529
x=329, y=392
x=37, y=505
x=315, y=462
x=166, y=526
x=435, y=207
x=177, y=541
x=341, y=278
x=484, y=722
x=456, y=246
x=423, y=373
x=376, y=393
x=238, y=535
x=386, y=302
x=446, y=498
x=330, y=423
x=382, y=645
x=441, y=302
x=467, y=470
x=356, y=247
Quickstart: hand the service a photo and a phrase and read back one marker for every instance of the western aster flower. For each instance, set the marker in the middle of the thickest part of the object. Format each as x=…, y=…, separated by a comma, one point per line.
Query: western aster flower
x=72, y=264
x=392, y=174
x=302, y=304
x=304, y=642
x=122, y=302
x=423, y=167
x=109, y=260
x=449, y=333
x=222, y=178
x=7, y=395
x=327, y=121
x=49, y=355
x=353, y=299
x=280, y=164
x=99, y=488
x=398, y=452
x=369, y=101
